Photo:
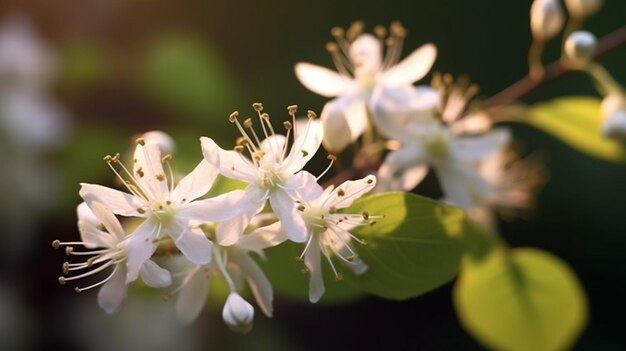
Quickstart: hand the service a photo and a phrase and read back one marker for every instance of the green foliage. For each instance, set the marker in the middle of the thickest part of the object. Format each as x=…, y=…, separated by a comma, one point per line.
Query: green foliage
x=84, y=65
x=523, y=299
x=416, y=248
x=183, y=73
x=577, y=121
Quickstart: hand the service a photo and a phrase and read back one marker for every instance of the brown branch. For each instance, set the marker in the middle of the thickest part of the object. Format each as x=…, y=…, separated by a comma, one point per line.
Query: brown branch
x=552, y=72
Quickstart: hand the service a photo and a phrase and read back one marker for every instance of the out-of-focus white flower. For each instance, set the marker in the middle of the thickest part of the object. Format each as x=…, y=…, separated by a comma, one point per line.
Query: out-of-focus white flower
x=546, y=19
x=583, y=8
x=273, y=171
x=361, y=68
x=328, y=232
x=169, y=210
x=614, y=111
x=238, y=313
x=580, y=47
x=102, y=233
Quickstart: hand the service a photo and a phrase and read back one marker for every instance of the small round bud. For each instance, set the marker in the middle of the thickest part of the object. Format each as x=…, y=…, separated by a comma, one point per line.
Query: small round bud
x=546, y=19
x=583, y=8
x=238, y=314
x=580, y=47
x=614, y=111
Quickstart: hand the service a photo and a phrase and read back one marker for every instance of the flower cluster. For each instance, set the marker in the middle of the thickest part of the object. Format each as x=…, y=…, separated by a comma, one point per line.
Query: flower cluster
x=215, y=236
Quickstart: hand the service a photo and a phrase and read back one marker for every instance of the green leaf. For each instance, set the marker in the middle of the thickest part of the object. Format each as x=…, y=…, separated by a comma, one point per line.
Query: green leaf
x=289, y=280
x=577, y=121
x=415, y=248
x=524, y=299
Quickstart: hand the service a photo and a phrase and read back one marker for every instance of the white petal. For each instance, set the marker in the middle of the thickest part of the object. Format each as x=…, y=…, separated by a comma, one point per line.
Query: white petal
x=259, y=284
x=120, y=203
x=273, y=147
x=475, y=148
x=139, y=247
x=403, y=113
x=108, y=219
x=196, y=183
x=230, y=163
x=403, y=169
x=114, y=291
x=285, y=209
x=366, y=53
x=305, y=146
x=163, y=140
x=323, y=81
x=349, y=191
x=461, y=184
x=90, y=233
x=344, y=120
x=313, y=263
x=194, y=245
x=305, y=184
x=148, y=170
x=413, y=68
x=155, y=276
x=192, y=296
x=219, y=208
x=229, y=231
x=238, y=313
x=262, y=238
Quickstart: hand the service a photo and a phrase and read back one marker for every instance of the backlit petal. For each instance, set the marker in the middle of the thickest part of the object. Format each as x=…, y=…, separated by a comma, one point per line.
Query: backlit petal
x=114, y=291
x=120, y=203
x=155, y=276
x=196, y=183
x=230, y=163
x=413, y=68
x=323, y=81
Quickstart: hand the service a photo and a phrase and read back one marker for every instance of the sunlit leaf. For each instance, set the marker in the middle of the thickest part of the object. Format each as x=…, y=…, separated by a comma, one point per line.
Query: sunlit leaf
x=577, y=121
x=414, y=249
x=523, y=299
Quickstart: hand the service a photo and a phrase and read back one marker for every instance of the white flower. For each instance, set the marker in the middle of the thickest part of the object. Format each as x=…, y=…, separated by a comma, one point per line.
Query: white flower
x=234, y=265
x=238, y=314
x=168, y=209
x=274, y=171
x=328, y=231
x=583, y=8
x=425, y=141
x=104, y=236
x=361, y=68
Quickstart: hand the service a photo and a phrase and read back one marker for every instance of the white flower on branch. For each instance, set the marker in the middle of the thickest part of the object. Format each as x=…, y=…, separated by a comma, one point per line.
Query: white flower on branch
x=361, y=68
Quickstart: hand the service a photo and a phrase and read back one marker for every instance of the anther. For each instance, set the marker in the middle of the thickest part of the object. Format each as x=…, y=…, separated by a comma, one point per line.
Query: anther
x=332, y=210
x=304, y=153
x=301, y=208
x=69, y=250
x=311, y=115
x=331, y=157
x=247, y=123
x=366, y=215
x=160, y=177
x=141, y=210
x=332, y=47
x=56, y=244
x=117, y=157
x=140, y=172
x=165, y=297
x=140, y=141
x=380, y=31
x=370, y=181
x=372, y=223
x=355, y=29
x=66, y=268
x=166, y=158
x=339, y=277
x=337, y=32
x=341, y=193
x=287, y=125
x=398, y=29
x=61, y=280
x=265, y=116
x=239, y=148
x=299, y=259
x=292, y=109
x=108, y=158
x=233, y=117
x=257, y=106
x=77, y=289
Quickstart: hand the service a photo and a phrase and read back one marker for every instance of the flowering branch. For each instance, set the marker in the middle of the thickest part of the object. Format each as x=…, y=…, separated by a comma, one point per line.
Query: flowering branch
x=552, y=72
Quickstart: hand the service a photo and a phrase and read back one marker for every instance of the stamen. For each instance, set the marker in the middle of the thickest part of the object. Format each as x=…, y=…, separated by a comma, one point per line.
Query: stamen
x=332, y=159
x=355, y=29
x=306, y=247
x=257, y=106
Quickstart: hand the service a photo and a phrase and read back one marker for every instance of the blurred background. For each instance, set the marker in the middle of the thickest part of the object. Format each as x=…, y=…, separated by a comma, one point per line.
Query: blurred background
x=80, y=78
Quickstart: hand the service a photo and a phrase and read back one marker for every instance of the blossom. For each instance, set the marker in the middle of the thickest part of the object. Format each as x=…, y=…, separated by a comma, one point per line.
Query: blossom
x=104, y=236
x=328, y=232
x=273, y=171
x=425, y=141
x=168, y=209
x=614, y=112
x=361, y=69
x=546, y=19
x=235, y=265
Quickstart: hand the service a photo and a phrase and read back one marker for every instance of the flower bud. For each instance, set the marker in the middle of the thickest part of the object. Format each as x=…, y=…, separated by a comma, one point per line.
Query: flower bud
x=583, y=8
x=165, y=142
x=238, y=314
x=580, y=47
x=546, y=19
x=614, y=111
